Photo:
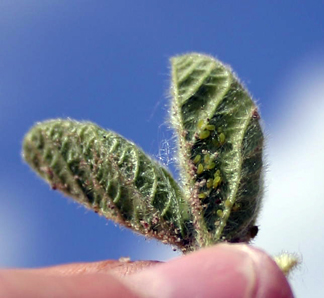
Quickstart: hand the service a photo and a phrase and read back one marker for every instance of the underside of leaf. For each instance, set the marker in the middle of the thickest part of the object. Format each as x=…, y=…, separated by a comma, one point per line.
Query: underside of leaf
x=110, y=175
x=220, y=145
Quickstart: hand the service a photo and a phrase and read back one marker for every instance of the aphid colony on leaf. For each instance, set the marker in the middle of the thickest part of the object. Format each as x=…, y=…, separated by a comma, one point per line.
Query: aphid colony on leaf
x=219, y=140
x=206, y=162
x=220, y=144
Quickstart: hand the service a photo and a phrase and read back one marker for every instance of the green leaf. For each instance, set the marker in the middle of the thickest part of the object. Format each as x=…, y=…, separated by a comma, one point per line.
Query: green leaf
x=110, y=175
x=220, y=145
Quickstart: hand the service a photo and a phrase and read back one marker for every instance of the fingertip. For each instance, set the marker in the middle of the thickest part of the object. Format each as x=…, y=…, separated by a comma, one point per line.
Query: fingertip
x=271, y=281
x=27, y=284
x=223, y=270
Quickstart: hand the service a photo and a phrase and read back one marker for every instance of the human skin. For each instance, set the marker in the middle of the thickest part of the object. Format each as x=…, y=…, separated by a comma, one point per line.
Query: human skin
x=220, y=271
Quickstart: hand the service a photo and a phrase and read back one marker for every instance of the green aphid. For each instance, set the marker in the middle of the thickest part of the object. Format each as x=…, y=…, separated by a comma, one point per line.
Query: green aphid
x=221, y=138
x=202, y=195
x=201, y=123
x=197, y=159
x=217, y=173
x=227, y=204
x=210, y=166
x=210, y=127
x=207, y=158
x=217, y=181
x=204, y=134
x=200, y=169
x=209, y=183
x=219, y=213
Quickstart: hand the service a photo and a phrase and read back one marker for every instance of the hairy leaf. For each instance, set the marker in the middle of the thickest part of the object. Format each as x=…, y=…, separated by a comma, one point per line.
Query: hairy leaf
x=220, y=145
x=111, y=175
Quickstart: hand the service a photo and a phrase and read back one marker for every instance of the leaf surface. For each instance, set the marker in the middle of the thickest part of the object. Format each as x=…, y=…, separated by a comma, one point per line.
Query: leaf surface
x=220, y=144
x=109, y=174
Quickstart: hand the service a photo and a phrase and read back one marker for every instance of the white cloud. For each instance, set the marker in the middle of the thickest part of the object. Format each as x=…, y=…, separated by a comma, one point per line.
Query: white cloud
x=292, y=218
x=16, y=232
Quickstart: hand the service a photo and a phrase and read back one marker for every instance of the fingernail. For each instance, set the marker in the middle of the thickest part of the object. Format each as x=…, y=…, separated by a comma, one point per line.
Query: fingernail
x=271, y=282
x=220, y=271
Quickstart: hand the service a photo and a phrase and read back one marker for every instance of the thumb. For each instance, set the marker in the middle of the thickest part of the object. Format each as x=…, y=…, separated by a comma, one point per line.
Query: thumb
x=220, y=271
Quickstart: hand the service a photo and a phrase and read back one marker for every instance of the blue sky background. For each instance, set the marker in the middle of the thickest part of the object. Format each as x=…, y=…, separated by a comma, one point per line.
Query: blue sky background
x=107, y=62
